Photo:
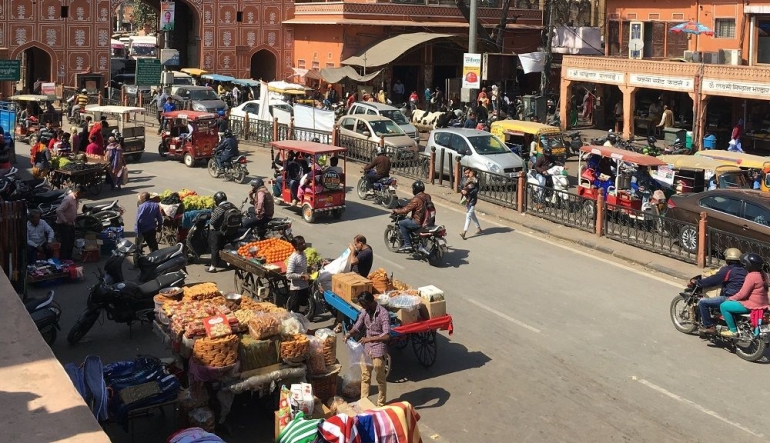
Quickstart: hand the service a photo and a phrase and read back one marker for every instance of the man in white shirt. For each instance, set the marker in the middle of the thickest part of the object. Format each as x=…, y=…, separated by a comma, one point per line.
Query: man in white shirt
x=39, y=236
x=236, y=95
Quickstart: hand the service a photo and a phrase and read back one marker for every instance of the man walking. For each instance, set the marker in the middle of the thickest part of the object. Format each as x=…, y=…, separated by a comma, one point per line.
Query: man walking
x=398, y=92
x=65, y=222
x=376, y=322
x=148, y=220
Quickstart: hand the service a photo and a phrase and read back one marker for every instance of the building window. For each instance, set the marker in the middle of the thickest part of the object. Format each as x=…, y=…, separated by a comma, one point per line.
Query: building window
x=301, y=64
x=329, y=55
x=763, y=40
x=677, y=16
x=316, y=65
x=329, y=65
x=724, y=28
x=631, y=16
x=653, y=16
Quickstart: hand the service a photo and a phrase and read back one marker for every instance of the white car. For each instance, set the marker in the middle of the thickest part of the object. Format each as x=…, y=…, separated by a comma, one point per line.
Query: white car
x=251, y=107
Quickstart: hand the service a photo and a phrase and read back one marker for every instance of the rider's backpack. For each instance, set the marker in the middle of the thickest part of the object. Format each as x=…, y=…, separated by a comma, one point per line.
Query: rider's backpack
x=231, y=221
x=428, y=211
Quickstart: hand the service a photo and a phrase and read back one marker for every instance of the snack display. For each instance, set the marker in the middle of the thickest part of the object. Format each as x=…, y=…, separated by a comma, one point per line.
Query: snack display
x=216, y=352
x=315, y=361
x=217, y=326
x=263, y=325
x=400, y=286
x=294, y=346
x=380, y=281
x=249, y=303
x=328, y=345
x=202, y=291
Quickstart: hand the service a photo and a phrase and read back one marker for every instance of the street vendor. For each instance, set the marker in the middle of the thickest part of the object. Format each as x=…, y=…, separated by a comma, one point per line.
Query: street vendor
x=376, y=322
x=39, y=236
x=296, y=273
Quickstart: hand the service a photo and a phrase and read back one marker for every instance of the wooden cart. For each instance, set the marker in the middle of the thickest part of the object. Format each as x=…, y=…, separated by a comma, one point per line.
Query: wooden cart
x=92, y=179
x=251, y=276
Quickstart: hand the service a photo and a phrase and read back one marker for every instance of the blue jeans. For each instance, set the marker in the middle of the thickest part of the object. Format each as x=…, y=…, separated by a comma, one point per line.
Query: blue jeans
x=405, y=226
x=705, y=315
x=220, y=159
x=729, y=308
x=470, y=215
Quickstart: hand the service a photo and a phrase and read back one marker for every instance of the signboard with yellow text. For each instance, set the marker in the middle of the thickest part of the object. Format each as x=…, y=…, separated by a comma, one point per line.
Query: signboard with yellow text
x=472, y=71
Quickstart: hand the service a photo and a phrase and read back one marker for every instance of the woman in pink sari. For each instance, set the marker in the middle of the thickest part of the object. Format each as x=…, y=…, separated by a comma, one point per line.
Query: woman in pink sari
x=115, y=162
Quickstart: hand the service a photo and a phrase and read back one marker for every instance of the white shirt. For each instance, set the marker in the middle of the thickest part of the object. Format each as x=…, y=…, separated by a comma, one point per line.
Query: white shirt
x=37, y=235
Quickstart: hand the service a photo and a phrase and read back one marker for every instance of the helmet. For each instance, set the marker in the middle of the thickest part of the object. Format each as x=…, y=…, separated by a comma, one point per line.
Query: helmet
x=221, y=112
x=612, y=138
x=752, y=262
x=547, y=150
x=228, y=133
x=220, y=197
x=84, y=91
x=733, y=254
x=651, y=140
x=418, y=187
x=257, y=183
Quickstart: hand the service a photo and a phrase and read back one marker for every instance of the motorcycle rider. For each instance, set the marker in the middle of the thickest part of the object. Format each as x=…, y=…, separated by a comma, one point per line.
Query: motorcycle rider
x=730, y=277
x=543, y=164
x=417, y=207
x=227, y=148
x=377, y=169
x=216, y=236
x=751, y=298
x=263, y=207
x=79, y=102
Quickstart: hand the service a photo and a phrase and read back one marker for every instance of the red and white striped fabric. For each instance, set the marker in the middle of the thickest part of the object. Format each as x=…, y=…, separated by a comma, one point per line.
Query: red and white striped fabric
x=340, y=429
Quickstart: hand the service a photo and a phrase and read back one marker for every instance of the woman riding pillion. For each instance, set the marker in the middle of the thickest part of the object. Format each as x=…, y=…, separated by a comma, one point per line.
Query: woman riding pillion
x=752, y=298
x=730, y=278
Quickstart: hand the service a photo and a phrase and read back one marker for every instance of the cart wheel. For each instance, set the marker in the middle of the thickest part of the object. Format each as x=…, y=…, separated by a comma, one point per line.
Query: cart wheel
x=95, y=189
x=307, y=213
x=189, y=161
x=425, y=347
x=248, y=285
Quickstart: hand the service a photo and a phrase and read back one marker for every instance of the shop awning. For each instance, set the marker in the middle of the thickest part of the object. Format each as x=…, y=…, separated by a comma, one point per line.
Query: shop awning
x=334, y=75
x=388, y=50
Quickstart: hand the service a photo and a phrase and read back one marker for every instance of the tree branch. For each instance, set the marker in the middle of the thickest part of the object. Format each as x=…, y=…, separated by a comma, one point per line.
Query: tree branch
x=481, y=32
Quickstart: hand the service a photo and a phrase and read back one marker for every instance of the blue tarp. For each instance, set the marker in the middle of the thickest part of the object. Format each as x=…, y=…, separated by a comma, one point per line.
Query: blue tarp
x=218, y=77
x=245, y=82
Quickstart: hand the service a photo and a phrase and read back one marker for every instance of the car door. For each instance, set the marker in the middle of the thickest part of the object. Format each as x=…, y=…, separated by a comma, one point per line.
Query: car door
x=362, y=127
x=724, y=212
x=251, y=109
x=442, y=142
x=347, y=130
x=756, y=222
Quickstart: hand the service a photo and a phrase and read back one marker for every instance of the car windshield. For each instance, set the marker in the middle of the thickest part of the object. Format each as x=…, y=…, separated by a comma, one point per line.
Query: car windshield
x=488, y=145
x=143, y=50
x=731, y=181
x=183, y=81
x=386, y=128
x=555, y=141
x=203, y=94
x=396, y=116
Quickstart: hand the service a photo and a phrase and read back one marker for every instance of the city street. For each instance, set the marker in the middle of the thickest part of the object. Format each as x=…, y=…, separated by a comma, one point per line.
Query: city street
x=550, y=344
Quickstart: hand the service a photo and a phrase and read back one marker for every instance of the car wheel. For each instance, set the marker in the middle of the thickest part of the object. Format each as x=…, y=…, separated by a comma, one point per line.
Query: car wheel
x=688, y=239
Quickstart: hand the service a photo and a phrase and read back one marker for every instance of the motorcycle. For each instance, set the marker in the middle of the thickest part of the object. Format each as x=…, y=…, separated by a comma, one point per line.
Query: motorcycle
x=45, y=312
x=124, y=302
x=276, y=228
x=749, y=344
x=382, y=192
x=151, y=266
x=79, y=116
x=575, y=143
x=556, y=195
x=233, y=169
x=678, y=148
x=429, y=242
x=197, y=242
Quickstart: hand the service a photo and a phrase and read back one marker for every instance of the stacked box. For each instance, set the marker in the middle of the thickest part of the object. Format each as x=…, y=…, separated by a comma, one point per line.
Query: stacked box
x=349, y=286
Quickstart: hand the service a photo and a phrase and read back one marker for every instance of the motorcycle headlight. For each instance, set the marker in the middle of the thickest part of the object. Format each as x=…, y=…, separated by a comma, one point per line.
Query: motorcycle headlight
x=493, y=168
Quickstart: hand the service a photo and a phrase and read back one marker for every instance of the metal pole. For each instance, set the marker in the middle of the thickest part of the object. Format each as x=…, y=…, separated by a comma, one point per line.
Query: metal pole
x=545, y=77
x=472, y=31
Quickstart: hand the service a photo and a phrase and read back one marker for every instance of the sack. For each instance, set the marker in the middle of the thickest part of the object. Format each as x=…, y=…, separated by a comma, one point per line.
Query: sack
x=231, y=222
x=124, y=175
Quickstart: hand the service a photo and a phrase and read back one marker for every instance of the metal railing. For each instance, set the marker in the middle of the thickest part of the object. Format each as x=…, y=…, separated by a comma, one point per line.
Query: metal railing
x=409, y=163
x=498, y=189
x=561, y=207
x=258, y=131
x=358, y=149
x=718, y=241
x=650, y=231
x=283, y=132
x=306, y=134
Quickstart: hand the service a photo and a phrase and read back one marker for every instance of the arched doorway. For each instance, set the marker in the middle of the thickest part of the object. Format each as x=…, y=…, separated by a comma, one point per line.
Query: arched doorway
x=35, y=64
x=263, y=65
x=185, y=37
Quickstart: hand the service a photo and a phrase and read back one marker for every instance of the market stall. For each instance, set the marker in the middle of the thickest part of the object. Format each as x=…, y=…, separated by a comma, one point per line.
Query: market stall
x=179, y=210
x=69, y=172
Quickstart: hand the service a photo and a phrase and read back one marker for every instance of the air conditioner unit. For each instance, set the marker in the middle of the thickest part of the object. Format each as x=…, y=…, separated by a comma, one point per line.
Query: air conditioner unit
x=730, y=56
x=687, y=56
x=697, y=56
x=711, y=58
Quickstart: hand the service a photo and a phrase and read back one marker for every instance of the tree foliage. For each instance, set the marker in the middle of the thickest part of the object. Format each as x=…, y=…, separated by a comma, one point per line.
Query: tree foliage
x=143, y=15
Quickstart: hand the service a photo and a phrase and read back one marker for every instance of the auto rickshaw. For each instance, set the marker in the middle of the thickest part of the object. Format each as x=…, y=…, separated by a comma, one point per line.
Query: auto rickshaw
x=694, y=173
x=124, y=119
x=746, y=162
x=519, y=134
x=324, y=191
x=32, y=112
x=191, y=147
x=612, y=175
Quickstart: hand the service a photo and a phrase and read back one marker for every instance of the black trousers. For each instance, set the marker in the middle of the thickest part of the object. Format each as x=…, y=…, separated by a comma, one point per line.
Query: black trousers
x=216, y=240
x=297, y=298
x=66, y=234
x=151, y=238
x=259, y=226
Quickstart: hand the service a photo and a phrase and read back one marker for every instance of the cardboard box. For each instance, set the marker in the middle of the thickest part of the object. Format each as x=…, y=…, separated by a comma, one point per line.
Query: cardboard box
x=321, y=410
x=430, y=293
x=407, y=317
x=91, y=245
x=432, y=309
x=349, y=286
x=90, y=256
x=302, y=398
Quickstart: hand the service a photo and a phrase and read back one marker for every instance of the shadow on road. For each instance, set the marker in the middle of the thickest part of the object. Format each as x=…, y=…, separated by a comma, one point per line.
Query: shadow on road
x=451, y=357
x=425, y=398
x=492, y=231
x=455, y=257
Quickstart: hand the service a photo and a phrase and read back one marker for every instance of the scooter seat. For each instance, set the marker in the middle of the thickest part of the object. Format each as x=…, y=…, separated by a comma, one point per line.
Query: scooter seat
x=385, y=181
x=429, y=229
x=152, y=287
x=159, y=256
x=47, y=197
x=278, y=222
x=34, y=303
x=96, y=207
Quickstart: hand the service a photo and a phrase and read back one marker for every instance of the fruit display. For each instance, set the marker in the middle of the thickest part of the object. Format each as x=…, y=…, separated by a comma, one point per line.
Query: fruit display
x=185, y=192
x=249, y=250
x=76, y=167
x=273, y=250
x=197, y=202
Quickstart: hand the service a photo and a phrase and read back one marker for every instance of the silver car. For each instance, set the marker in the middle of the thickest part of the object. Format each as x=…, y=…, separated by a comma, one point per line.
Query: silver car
x=374, y=127
x=201, y=98
x=477, y=149
x=395, y=114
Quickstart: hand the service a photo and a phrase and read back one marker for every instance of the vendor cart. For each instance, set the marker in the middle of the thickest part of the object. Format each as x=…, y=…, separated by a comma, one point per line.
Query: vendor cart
x=251, y=277
x=422, y=333
x=90, y=178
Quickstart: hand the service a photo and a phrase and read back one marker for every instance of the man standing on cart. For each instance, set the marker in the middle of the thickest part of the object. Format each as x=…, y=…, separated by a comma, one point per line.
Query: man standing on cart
x=376, y=321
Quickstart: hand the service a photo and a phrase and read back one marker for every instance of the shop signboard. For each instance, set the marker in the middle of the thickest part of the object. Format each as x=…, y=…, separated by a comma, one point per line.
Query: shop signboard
x=148, y=72
x=731, y=88
x=10, y=70
x=683, y=84
x=606, y=77
x=472, y=71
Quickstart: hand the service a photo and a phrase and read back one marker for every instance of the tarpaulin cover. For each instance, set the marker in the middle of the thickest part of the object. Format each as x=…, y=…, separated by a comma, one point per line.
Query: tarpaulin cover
x=313, y=118
x=335, y=75
x=443, y=323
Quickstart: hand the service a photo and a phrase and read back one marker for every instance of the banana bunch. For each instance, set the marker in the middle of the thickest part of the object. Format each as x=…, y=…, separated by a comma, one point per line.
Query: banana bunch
x=193, y=201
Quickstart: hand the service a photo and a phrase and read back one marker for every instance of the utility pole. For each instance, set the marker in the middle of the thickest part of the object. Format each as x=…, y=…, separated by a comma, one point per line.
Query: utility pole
x=472, y=31
x=545, y=76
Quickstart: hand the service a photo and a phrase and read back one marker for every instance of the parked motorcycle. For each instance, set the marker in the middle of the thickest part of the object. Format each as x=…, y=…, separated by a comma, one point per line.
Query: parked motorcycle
x=749, y=344
x=151, y=266
x=652, y=149
x=197, y=242
x=233, y=169
x=428, y=242
x=124, y=302
x=382, y=192
x=556, y=183
x=45, y=312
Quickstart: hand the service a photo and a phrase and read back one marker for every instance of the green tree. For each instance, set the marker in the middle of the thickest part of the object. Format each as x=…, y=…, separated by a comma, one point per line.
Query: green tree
x=144, y=15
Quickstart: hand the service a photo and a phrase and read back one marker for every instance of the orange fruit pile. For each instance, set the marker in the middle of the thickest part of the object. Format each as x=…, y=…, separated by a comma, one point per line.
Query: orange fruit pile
x=244, y=251
x=274, y=250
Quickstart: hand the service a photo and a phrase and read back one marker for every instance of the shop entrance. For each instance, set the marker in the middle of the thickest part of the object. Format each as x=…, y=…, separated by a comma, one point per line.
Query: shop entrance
x=185, y=36
x=410, y=77
x=263, y=65
x=650, y=107
x=35, y=64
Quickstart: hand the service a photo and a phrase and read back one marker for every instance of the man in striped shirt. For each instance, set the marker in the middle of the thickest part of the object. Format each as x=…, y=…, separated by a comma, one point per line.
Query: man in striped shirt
x=376, y=321
x=296, y=273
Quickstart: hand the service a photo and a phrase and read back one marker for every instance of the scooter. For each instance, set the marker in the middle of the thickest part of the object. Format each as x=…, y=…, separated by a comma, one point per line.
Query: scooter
x=429, y=242
x=575, y=142
x=197, y=242
x=382, y=192
x=557, y=195
x=45, y=312
x=150, y=266
x=233, y=169
x=124, y=302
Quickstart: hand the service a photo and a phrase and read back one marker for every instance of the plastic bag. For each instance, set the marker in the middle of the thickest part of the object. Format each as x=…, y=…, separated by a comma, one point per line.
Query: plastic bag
x=337, y=266
x=328, y=345
x=351, y=386
x=202, y=418
x=263, y=325
x=357, y=356
x=316, y=362
x=294, y=324
x=406, y=302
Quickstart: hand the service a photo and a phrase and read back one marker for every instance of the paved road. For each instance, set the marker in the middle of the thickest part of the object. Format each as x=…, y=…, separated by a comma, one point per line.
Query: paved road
x=551, y=344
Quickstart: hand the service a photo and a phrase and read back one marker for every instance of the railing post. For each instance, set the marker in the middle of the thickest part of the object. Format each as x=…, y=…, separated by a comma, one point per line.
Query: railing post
x=123, y=97
x=456, y=183
x=432, y=165
x=275, y=129
x=290, y=135
x=335, y=135
x=702, y=230
x=441, y=168
x=521, y=189
x=99, y=98
x=245, y=126
x=600, y=208
x=141, y=104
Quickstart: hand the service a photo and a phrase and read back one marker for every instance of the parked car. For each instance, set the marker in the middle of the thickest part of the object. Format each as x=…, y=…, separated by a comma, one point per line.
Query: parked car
x=372, y=127
x=201, y=98
x=736, y=211
x=478, y=149
x=251, y=107
x=395, y=114
x=181, y=79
